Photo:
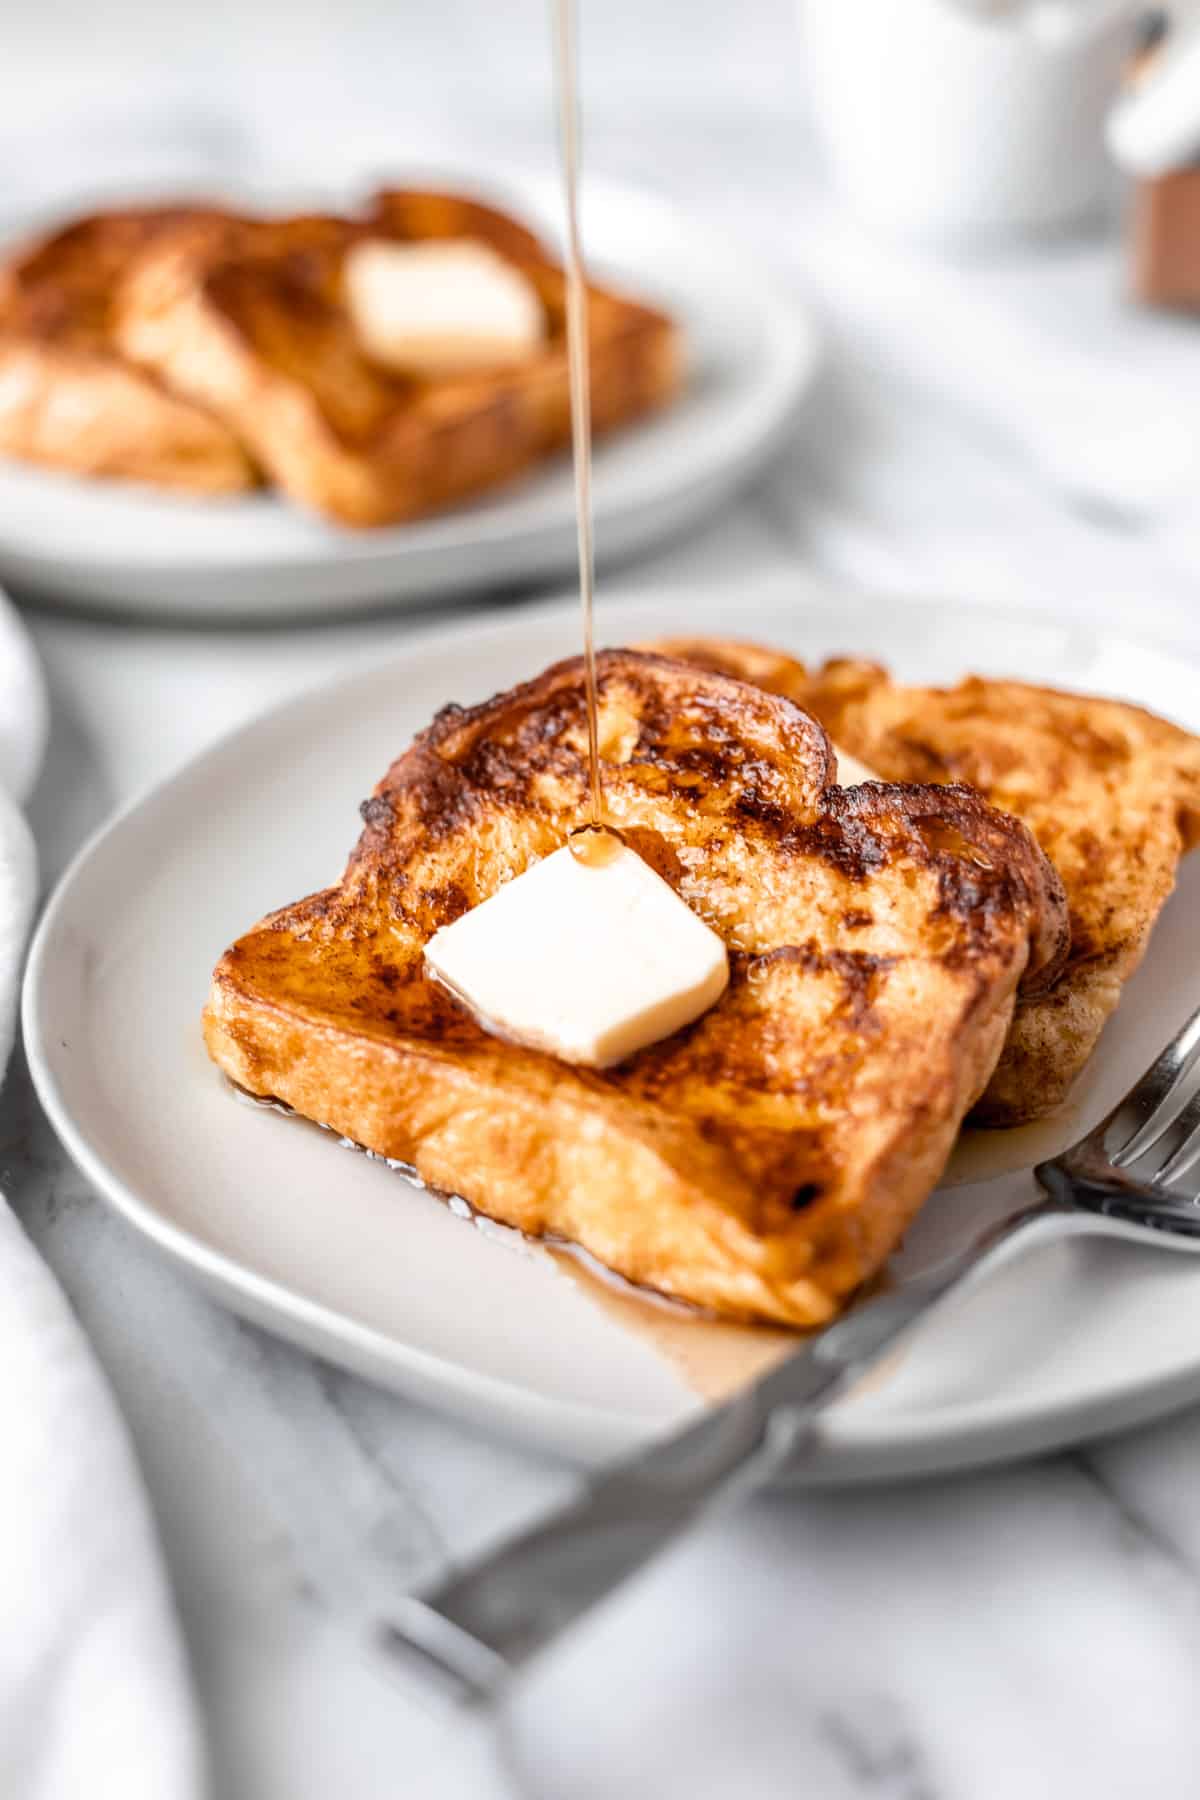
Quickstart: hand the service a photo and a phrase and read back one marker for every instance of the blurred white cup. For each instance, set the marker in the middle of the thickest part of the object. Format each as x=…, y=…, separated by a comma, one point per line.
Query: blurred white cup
x=953, y=123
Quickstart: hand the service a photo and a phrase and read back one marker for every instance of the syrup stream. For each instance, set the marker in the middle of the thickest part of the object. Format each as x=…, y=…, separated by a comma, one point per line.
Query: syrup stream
x=566, y=83
x=714, y=1358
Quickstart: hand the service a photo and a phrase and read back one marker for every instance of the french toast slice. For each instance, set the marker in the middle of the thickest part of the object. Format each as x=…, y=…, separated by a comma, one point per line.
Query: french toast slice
x=1110, y=791
x=762, y=1162
x=258, y=331
x=68, y=398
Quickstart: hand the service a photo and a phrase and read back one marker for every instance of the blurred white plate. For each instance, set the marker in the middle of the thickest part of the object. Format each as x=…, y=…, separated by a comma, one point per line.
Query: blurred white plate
x=345, y=1257
x=752, y=356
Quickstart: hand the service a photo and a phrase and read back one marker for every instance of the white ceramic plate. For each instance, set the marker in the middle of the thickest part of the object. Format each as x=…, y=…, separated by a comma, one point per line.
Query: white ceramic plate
x=344, y=1256
x=752, y=357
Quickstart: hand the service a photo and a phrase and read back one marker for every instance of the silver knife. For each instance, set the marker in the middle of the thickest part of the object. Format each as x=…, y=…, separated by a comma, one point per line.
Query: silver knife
x=480, y=1625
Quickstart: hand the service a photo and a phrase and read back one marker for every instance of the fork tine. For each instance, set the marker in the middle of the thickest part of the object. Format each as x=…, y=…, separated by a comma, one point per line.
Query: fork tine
x=1147, y=1100
x=1182, y=1141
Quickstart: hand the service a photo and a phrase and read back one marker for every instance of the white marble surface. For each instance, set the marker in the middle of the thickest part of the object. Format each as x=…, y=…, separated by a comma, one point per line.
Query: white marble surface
x=1030, y=1632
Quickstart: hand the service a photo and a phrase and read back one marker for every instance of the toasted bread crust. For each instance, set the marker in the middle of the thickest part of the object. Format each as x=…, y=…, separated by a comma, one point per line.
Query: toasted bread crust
x=255, y=328
x=68, y=398
x=1110, y=791
x=762, y=1162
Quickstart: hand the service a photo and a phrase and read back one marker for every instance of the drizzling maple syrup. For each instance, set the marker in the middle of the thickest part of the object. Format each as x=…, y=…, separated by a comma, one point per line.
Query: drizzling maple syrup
x=595, y=845
x=566, y=85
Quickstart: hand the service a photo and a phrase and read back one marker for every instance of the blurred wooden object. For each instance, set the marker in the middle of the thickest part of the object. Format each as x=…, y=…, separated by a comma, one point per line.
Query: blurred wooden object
x=1165, y=239
x=1154, y=135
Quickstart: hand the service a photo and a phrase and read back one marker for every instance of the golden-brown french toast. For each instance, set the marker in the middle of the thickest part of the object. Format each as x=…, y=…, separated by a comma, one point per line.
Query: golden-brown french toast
x=1110, y=791
x=258, y=330
x=765, y=1160
x=416, y=215
x=68, y=398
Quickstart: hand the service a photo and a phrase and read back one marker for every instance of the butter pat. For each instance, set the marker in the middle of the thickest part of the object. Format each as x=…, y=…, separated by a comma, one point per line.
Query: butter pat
x=443, y=306
x=850, y=771
x=586, y=962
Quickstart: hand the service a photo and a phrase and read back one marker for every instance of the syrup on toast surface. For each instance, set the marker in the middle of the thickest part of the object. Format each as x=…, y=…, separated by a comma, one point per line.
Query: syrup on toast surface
x=254, y=326
x=68, y=397
x=762, y=1162
x=1111, y=793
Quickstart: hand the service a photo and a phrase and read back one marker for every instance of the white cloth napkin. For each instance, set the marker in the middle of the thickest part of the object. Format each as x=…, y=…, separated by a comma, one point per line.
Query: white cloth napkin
x=94, y=1698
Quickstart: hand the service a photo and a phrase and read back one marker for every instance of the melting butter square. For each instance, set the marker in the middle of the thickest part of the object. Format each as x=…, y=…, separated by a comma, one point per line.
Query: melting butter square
x=586, y=962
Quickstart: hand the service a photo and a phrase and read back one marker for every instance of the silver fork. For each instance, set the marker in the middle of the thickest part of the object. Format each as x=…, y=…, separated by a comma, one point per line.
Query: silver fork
x=478, y=1626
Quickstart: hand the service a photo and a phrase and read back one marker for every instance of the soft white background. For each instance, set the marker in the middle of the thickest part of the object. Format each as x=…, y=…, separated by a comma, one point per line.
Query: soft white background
x=367, y=50
x=1033, y=1632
